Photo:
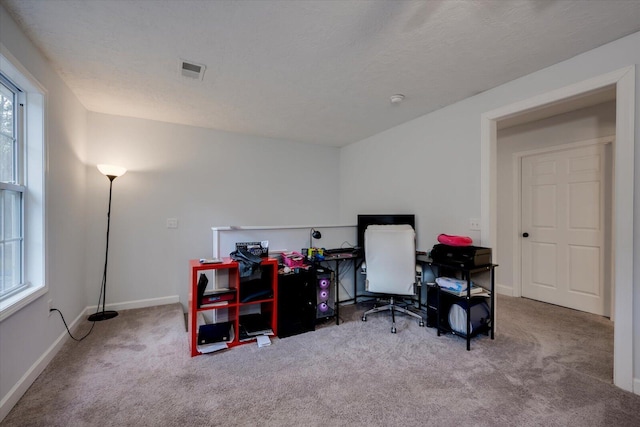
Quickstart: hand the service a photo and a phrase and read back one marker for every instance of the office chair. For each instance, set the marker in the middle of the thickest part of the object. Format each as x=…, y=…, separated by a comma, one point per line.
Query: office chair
x=390, y=257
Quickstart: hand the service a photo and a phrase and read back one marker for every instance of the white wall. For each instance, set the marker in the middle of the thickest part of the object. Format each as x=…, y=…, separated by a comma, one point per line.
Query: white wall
x=429, y=166
x=580, y=125
x=438, y=175
x=203, y=178
x=28, y=336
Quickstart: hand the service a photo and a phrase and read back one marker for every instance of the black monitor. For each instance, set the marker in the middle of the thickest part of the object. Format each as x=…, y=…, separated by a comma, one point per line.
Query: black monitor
x=382, y=219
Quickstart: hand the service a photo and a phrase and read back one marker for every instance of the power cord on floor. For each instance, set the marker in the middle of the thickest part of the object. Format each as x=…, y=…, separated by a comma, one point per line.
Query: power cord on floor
x=104, y=279
x=68, y=331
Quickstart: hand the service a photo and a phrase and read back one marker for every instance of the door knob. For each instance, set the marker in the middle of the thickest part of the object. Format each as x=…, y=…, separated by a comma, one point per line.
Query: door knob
x=525, y=234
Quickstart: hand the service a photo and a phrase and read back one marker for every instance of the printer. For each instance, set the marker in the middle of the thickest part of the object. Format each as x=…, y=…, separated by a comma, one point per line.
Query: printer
x=461, y=256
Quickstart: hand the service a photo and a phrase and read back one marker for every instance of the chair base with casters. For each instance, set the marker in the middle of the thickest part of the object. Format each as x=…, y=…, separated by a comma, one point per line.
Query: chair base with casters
x=393, y=307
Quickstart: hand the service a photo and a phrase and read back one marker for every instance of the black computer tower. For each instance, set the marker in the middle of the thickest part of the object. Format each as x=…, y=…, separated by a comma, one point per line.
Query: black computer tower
x=325, y=294
x=296, y=303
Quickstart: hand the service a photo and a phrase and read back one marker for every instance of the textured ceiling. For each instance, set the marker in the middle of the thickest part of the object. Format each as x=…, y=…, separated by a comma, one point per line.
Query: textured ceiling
x=309, y=71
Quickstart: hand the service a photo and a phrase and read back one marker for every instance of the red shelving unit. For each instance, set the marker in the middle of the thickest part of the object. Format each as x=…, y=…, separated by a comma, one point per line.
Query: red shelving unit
x=268, y=306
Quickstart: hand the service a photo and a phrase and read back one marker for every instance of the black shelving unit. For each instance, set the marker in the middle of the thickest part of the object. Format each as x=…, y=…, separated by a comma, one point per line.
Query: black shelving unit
x=445, y=299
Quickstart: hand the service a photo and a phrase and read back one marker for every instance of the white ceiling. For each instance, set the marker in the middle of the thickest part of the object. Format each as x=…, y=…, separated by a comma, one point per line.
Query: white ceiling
x=310, y=71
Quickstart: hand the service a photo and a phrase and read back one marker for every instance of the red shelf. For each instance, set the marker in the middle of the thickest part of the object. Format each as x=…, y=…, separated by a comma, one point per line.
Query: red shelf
x=268, y=305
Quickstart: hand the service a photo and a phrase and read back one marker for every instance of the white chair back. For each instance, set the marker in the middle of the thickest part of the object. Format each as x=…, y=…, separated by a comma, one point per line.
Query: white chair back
x=390, y=255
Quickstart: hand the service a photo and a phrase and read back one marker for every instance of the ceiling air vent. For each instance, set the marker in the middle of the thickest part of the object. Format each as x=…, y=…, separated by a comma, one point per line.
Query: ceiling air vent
x=192, y=70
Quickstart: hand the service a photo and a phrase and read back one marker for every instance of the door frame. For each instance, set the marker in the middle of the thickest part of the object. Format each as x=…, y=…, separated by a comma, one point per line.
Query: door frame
x=623, y=207
x=516, y=159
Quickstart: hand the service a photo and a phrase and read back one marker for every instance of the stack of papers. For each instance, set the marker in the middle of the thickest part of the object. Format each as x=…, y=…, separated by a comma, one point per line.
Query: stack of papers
x=263, y=341
x=457, y=285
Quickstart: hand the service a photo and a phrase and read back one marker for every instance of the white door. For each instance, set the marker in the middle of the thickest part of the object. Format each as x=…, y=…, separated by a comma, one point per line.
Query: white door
x=563, y=226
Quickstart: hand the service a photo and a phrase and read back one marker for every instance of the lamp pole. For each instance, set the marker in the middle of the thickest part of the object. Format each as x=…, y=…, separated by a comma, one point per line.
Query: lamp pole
x=112, y=174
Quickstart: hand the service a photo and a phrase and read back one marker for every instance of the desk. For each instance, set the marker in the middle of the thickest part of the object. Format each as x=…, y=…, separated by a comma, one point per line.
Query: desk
x=338, y=259
x=357, y=260
x=466, y=273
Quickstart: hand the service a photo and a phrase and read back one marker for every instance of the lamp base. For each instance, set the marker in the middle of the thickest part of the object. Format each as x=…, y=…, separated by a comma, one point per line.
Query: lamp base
x=102, y=315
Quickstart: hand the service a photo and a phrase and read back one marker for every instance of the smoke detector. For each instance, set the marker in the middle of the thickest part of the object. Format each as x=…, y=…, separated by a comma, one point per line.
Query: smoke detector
x=396, y=99
x=192, y=70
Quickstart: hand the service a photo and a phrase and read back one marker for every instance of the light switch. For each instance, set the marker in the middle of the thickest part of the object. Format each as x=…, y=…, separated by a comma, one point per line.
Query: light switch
x=172, y=222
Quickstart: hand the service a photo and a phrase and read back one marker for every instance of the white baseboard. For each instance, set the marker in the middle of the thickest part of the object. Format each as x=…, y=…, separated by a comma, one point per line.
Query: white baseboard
x=142, y=303
x=21, y=387
x=504, y=289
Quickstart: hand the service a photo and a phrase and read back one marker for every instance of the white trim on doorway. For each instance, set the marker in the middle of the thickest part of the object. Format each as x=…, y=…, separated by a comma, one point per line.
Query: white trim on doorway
x=624, y=81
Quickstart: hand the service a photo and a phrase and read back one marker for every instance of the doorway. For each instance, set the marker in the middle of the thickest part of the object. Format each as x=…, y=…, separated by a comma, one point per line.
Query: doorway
x=622, y=206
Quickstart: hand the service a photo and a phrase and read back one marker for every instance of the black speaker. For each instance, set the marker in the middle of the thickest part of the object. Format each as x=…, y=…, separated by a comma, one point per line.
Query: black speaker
x=325, y=289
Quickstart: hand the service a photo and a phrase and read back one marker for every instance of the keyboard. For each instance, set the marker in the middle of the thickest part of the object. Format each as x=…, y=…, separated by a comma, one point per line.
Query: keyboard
x=340, y=251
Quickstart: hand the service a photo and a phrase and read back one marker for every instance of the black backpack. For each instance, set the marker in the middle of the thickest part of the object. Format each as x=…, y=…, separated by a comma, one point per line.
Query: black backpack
x=249, y=264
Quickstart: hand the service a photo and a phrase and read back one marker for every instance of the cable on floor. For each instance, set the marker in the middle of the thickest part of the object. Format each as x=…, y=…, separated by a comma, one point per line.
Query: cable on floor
x=68, y=331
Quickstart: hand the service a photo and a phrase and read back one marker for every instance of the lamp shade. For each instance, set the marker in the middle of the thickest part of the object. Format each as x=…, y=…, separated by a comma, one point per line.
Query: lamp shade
x=111, y=170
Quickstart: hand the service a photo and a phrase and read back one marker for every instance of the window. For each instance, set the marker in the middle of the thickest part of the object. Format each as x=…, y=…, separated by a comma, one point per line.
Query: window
x=11, y=190
x=22, y=203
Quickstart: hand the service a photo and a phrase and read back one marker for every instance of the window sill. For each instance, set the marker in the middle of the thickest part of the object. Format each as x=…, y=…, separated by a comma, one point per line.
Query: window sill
x=20, y=300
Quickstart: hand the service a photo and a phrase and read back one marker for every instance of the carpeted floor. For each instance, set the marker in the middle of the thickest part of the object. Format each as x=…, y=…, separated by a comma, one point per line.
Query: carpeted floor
x=548, y=366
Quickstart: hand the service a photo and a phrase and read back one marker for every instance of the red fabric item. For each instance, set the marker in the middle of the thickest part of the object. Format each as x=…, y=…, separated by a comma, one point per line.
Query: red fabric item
x=447, y=239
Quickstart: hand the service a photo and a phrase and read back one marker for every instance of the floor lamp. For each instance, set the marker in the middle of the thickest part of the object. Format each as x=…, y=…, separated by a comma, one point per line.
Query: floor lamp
x=111, y=172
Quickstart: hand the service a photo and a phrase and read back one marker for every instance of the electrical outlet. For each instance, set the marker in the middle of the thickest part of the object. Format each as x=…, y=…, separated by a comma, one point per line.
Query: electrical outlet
x=50, y=306
x=474, y=224
x=172, y=222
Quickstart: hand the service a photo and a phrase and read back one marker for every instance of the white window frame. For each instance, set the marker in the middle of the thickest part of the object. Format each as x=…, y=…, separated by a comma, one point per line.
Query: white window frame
x=33, y=165
x=15, y=185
